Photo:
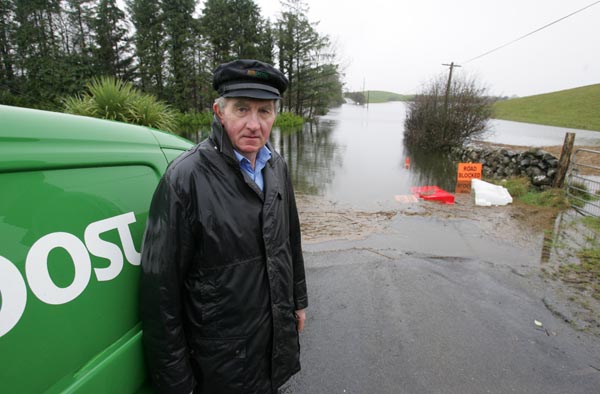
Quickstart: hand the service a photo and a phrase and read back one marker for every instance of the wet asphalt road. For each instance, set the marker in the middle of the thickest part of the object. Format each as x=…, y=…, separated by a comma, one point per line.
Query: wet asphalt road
x=432, y=306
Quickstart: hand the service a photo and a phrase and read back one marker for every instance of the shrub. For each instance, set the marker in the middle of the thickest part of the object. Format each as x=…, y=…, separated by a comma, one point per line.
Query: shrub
x=435, y=121
x=111, y=98
x=288, y=119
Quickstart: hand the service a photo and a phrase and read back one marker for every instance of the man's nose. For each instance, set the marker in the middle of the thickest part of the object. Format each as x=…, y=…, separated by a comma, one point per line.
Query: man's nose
x=253, y=123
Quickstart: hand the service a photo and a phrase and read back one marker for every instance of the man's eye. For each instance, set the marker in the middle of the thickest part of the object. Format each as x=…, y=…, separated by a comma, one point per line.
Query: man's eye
x=242, y=109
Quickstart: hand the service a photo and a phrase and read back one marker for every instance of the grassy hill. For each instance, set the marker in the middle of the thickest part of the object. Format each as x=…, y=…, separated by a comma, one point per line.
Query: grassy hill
x=577, y=108
x=379, y=96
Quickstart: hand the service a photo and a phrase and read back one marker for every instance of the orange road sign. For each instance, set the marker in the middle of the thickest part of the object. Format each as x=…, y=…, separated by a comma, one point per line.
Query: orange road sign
x=468, y=171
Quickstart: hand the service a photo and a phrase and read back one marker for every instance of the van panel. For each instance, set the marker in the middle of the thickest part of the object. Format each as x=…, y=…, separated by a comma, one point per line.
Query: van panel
x=74, y=199
x=32, y=139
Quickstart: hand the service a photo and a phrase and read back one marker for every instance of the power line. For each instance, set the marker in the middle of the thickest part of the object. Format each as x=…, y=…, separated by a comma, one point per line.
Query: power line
x=530, y=33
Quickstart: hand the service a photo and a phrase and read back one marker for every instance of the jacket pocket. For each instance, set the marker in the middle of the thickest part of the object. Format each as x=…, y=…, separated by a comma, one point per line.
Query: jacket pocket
x=222, y=364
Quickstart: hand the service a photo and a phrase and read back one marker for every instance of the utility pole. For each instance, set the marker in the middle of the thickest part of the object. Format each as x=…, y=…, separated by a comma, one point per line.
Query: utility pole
x=451, y=65
x=363, y=91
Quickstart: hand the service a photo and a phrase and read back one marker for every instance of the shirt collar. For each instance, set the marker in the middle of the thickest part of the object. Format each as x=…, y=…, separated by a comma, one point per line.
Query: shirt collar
x=263, y=155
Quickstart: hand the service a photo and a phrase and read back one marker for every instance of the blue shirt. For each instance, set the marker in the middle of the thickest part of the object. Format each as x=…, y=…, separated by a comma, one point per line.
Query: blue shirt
x=263, y=155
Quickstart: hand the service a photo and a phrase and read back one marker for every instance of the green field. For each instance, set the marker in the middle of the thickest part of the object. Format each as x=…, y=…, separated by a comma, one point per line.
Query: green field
x=379, y=96
x=577, y=108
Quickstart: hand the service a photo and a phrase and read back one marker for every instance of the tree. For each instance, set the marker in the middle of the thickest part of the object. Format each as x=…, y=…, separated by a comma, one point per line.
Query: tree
x=180, y=27
x=78, y=42
x=49, y=49
x=112, y=53
x=358, y=97
x=234, y=29
x=80, y=18
x=7, y=32
x=433, y=123
x=324, y=90
x=149, y=41
x=307, y=60
x=40, y=64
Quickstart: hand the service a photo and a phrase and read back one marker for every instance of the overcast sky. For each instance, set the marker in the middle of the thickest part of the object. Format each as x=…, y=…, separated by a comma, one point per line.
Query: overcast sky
x=397, y=45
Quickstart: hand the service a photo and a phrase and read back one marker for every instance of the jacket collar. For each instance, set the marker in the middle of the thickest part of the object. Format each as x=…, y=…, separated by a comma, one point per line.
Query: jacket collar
x=220, y=138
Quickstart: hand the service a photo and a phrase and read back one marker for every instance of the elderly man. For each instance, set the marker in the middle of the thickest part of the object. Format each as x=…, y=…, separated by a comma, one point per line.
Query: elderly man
x=223, y=291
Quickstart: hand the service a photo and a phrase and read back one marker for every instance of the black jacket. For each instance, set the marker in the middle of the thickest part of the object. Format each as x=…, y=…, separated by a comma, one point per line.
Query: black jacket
x=222, y=275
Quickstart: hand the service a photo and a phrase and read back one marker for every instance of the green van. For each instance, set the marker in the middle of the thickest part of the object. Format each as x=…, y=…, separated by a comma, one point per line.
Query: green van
x=74, y=199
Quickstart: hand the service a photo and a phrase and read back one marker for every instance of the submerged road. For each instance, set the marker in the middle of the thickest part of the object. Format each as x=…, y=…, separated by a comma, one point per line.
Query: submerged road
x=432, y=306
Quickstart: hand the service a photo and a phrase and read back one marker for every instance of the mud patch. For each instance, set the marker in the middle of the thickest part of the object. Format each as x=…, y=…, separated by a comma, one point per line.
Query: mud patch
x=321, y=220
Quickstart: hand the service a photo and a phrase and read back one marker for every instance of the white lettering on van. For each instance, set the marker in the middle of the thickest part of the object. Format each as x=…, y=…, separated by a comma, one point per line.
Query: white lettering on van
x=13, y=291
x=38, y=275
x=14, y=295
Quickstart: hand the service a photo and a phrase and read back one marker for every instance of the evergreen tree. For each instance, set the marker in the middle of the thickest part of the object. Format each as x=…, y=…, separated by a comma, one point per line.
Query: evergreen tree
x=7, y=32
x=79, y=42
x=112, y=52
x=38, y=56
x=266, y=42
x=149, y=41
x=202, y=93
x=50, y=49
x=234, y=29
x=80, y=16
x=179, y=28
x=307, y=61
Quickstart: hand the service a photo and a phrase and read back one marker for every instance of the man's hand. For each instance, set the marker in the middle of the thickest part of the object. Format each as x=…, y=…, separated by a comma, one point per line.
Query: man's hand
x=300, y=318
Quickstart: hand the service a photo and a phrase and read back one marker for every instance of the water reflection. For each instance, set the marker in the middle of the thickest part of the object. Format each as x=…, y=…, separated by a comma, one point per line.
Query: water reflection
x=355, y=156
x=429, y=169
x=311, y=154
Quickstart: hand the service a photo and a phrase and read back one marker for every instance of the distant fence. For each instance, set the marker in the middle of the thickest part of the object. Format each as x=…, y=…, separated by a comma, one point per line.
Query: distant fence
x=583, y=187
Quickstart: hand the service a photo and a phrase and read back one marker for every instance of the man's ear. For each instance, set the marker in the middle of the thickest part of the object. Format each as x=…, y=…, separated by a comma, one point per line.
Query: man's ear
x=217, y=111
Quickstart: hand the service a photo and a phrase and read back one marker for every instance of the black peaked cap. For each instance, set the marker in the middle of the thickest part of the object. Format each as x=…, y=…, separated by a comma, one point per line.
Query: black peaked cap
x=249, y=78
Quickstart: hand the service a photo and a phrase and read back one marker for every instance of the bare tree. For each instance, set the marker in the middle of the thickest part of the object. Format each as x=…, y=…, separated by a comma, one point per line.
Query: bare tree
x=439, y=121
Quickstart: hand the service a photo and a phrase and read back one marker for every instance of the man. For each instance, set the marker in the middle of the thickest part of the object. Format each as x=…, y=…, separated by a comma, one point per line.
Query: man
x=222, y=289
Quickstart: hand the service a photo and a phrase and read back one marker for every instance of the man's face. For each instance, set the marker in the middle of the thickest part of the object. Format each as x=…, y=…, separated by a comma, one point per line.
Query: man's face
x=248, y=123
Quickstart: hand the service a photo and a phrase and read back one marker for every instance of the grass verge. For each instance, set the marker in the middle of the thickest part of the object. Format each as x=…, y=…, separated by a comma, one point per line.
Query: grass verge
x=520, y=189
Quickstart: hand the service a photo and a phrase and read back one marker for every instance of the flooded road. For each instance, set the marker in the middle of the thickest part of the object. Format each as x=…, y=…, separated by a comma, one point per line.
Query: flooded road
x=528, y=134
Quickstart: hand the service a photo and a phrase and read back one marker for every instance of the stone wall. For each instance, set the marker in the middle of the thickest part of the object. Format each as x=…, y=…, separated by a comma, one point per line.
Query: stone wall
x=539, y=165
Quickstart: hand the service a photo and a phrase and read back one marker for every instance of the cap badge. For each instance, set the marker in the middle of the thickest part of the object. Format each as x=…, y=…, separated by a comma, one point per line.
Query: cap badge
x=257, y=74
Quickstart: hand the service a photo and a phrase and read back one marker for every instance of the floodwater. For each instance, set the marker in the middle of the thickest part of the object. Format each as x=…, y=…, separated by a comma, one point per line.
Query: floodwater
x=355, y=156
x=517, y=133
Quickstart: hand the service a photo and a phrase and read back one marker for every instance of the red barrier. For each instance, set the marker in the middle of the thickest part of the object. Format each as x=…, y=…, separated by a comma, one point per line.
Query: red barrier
x=433, y=193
